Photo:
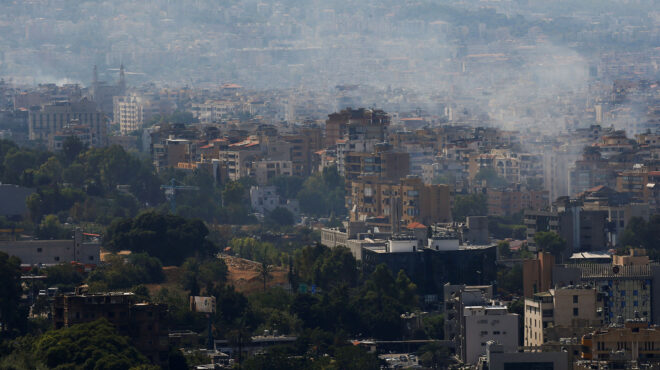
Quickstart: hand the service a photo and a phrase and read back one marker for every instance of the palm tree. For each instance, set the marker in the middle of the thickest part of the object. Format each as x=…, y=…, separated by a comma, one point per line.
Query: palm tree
x=264, y=272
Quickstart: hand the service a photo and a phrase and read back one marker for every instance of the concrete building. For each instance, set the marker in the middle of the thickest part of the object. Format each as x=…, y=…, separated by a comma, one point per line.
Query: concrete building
x=590, y=171
x=47, y=120
x=484, y=323
x=265, y=170
x=507, y=202
x=566, y=312
x=629, y=291
x=431, y=269
x=128, y=113
x=82, y=249
x=145, y=324
x=355, y=124
x=582, y=229
x=383, y=163
x=238, y=158
x=537, y=274
x=497, y=358
x=455, y=298
x=405, y=201
x=264, y=199
x=622, y=343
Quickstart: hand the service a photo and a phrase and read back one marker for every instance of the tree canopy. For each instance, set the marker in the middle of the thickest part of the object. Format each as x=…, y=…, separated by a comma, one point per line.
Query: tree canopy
x=169, y=238
x=10, y=290
x=95, y=345
x=550, y=242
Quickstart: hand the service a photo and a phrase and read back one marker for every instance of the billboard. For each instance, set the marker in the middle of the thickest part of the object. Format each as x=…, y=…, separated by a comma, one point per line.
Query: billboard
x=202, y=304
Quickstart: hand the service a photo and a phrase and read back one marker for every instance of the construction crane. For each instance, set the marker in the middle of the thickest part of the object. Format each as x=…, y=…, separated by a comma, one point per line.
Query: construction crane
x=171, y=189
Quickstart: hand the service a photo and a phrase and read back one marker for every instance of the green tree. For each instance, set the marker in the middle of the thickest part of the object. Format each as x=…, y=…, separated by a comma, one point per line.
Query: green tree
x=510, y=280
x=233, y=193
x=503, y=249
x=434, y=356
x=281, y=217
x=287, y=186
x=50, y=228
x=206, y=275
x=550, y=242
x=265, y=273
x=10, y=291
x=123, y=273
x=469, y=205
x=94, y=345
x=434, y=325
x=323, y=193
x=64, y=276
x=352, y=357
x=169, y=238
x=72, y=146
x=335, y=267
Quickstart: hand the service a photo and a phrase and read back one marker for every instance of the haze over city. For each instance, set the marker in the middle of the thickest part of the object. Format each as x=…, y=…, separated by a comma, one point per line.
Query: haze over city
x=335, y=184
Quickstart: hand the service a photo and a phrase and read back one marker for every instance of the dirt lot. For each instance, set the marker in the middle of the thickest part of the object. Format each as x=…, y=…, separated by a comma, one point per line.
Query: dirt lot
x=244, y=274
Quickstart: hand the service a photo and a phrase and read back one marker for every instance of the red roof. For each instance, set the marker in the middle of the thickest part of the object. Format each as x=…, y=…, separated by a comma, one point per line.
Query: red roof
x=416, y=225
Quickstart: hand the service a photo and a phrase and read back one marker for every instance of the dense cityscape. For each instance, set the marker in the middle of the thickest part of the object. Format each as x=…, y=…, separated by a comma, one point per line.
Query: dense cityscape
x=330, y=185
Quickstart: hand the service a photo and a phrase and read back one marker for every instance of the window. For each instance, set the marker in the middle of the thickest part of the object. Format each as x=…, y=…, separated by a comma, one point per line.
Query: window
x=57, y=258
x=623, y=293
x=575, y=311
x=39, y=250
x=575, y=299
x=635, y=292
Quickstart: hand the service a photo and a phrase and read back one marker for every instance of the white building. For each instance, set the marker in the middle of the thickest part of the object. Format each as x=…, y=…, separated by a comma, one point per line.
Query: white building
x=264, y=199
x=486, y=323
x=54, y=252
x=128, y=113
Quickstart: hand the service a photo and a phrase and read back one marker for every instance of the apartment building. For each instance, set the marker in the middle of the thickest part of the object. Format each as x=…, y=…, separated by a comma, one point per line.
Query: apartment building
x=46, y=120
x=487, y=322
x=507, y=202
x=407, y=200
x=630, y=340
x=128, y=113
x=628, y=291
x=565, y=312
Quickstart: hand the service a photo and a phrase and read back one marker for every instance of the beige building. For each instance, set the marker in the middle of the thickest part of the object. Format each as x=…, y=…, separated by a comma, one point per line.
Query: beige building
x=408, y=200
x=635, y=340
x=265, y=170
x=559, y=313
x=49, y=119
x=127, y=113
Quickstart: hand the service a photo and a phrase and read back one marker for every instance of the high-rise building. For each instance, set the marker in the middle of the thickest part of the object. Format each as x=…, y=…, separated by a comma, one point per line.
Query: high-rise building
x=128, y=113
x=356, y=124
